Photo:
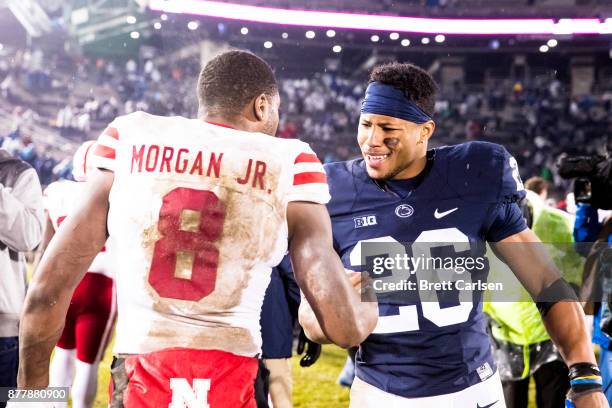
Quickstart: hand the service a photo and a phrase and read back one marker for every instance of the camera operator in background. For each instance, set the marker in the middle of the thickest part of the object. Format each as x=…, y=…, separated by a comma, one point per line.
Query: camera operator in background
x=522, y=347
x=593, y=237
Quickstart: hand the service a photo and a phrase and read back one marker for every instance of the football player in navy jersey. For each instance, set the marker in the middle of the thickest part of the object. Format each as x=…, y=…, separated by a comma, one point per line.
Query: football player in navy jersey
x=436, y=352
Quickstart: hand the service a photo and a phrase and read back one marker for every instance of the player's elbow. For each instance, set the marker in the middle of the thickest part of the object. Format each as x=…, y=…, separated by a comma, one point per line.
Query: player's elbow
x=40, y=299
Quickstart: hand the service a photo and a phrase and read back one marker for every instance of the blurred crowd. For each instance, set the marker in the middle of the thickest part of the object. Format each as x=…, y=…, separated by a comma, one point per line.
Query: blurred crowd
x=535, y=118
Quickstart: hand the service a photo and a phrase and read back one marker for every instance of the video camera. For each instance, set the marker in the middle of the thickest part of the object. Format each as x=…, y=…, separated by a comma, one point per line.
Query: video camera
x=593, y=174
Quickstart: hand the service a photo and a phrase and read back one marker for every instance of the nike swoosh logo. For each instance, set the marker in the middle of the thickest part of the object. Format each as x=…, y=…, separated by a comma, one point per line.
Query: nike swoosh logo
x=439, y=215
x=486, y=406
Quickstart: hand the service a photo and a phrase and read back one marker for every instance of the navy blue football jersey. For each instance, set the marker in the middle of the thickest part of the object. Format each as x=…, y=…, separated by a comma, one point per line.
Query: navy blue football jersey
x=467, y=194
x=279, y=312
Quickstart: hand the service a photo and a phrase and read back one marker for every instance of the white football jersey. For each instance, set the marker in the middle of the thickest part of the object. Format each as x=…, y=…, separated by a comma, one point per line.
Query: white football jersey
x=198, y=218
x=60, y=199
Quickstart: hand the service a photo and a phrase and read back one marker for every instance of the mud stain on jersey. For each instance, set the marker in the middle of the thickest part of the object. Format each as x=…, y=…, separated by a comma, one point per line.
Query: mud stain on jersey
x=166, y=334
x=253, y=221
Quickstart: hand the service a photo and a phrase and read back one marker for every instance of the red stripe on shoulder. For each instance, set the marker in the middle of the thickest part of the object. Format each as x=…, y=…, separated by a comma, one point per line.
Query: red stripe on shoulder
x=112, y=132
x=104, y=151
x=307, y=158
x=85, y=158
x=309, y=177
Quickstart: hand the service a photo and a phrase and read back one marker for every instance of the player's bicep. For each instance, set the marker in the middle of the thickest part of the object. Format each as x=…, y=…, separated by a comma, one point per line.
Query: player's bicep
x=309, y=225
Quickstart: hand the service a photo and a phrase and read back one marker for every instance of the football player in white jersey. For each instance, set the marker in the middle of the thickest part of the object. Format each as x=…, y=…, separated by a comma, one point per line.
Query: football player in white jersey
x=91, y=313
x=199, y=211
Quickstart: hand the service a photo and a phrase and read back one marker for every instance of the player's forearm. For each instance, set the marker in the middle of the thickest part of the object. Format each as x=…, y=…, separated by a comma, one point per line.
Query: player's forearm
x=46, y=305
x=566, y=325
x=343, y=317
x=41, y=325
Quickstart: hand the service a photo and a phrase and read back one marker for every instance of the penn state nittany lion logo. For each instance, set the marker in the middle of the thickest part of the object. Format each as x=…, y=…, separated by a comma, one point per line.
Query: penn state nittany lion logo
x=404, y=210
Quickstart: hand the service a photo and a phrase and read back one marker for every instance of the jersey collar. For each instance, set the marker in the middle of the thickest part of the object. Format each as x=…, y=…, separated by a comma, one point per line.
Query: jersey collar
x=220, y=124
x=362, y=173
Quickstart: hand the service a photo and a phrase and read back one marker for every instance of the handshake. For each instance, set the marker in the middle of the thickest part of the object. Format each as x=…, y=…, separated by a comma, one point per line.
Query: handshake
x=363, y=285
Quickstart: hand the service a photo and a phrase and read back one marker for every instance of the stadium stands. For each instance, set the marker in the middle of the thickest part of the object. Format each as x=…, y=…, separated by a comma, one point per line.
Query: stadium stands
x=59, y=108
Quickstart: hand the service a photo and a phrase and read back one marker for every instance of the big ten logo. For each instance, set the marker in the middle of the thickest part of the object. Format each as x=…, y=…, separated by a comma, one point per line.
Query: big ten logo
x=365, y=221
x=184, y=396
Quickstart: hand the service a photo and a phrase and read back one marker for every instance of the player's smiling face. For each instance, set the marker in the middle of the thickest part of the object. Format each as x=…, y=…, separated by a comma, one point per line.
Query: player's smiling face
x=390, y=146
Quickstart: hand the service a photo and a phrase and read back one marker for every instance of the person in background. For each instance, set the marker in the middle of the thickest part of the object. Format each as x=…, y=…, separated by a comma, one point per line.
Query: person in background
x=539, y=186
x=522, y=347
x=593, y=238
x=21, y=220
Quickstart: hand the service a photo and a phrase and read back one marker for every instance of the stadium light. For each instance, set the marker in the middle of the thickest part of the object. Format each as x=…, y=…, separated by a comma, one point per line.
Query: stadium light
x=310, y=34
x=244, y=31
x=336, y=20
x=394, y=36
x=330, y=33
x=440, y=38
x=164, y=17
x=425, y=40
x=337, y=49
x=135, y=35
x=544, y=48
x=576, y=26
x=268, y=44
x=285, y=36
x=130, y=19
x=193, y=25
x=374, y=38
x=157, y=25
x=606, y=27
x=405, y=42
x=552, y=43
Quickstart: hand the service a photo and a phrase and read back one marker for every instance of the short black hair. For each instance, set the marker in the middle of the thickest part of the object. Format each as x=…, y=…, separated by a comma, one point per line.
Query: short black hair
x=416, y=83
x=230, y=80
